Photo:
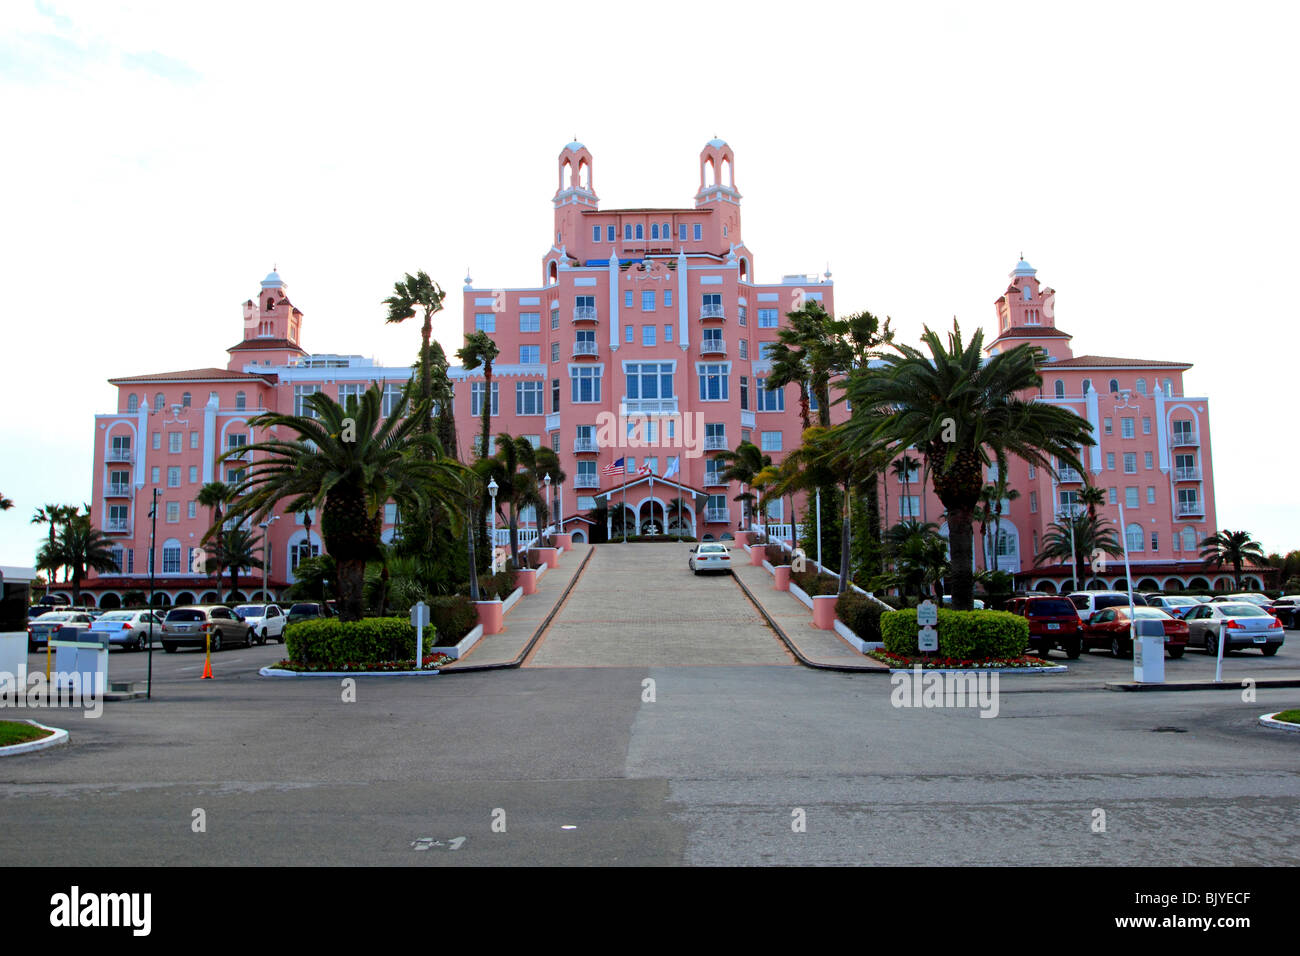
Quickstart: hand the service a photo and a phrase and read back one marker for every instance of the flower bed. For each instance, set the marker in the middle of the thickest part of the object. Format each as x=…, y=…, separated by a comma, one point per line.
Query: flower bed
x=431, y=662
x=907, y=662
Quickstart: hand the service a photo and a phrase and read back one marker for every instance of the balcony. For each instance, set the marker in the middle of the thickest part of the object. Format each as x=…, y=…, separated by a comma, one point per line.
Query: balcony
x=586, y=481
x=717, y=516
x=1068, y=476
x=746, y=419
x=581, y=349
x=237, y=453
x=120, y=454
x=1187, y=474
x=116, y=526
x=118, y=491
x=1186, y=440
x=649, y=406
x=585, y=313
x=712, y=478
x=712, y=312
x=552, y=421
x=716, y=443
x=1187, y=509
x=713, y=347
x=584, y=445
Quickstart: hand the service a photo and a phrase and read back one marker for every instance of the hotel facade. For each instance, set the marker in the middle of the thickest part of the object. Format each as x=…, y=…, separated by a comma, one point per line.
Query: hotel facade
x=638, y=355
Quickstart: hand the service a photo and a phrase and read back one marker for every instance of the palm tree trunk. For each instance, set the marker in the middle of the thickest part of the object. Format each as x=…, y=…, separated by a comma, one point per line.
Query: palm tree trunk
x=514, y=535
x=352, y=585
x=487, y=409
x=961, y=535
x=470, y=532
x=844, y=545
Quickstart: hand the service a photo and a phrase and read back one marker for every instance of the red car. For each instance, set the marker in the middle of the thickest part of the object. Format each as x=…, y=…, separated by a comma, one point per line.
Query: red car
x=1053, y=622
x=1110, y=628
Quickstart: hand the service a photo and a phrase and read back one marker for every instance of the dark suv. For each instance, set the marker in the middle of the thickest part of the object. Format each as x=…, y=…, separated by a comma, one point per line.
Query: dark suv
x=194, y=625
x=1053, y=622
x=307, y=610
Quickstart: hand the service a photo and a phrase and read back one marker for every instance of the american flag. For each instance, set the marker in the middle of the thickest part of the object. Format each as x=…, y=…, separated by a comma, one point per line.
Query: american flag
x=614, y=470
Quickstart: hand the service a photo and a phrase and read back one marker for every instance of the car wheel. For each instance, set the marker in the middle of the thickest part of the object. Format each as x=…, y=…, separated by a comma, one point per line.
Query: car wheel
x=261, y=639
x=250, y=638
x=1211, y=644
x=1073, y=649
x=1117, y=647
x=1176, y=652
x=216, y=642
x=1268, y=650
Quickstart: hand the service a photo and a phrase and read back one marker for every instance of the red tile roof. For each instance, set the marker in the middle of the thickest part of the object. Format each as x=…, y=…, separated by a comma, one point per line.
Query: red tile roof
x=267, y=344
x=1110, y=361
x=1033, y=331
x=193, y=375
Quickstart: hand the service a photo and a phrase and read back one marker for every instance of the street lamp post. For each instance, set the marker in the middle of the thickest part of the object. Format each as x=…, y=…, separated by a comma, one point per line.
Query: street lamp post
x=547, y=495
x=266, y=551
x=493, y=487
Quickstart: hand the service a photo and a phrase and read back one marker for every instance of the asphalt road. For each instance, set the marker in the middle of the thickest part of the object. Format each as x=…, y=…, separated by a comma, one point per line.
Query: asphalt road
x=577, y=766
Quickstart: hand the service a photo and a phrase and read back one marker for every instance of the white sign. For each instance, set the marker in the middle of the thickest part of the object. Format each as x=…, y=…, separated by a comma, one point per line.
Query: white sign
x=927, y=639
x=927, y=614
x=419, y=614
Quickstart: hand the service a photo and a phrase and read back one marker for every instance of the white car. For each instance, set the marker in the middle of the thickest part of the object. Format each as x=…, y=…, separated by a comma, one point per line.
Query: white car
x=709, y=557
x=1088, y=603
x=266, y=620
x=135, y=630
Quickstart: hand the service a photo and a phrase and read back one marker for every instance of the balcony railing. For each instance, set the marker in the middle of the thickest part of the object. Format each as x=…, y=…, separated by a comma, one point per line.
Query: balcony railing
x=116, y=525
x=712, y=312
x=713, y=347
x=586, y=481
x=716, y=443
x=649, y=406
x=1068, y=476
x=585, y=313
x=713, y=478
x=585, y=444
x=1185, y=440
x=1187, y=474
x=237, y=453
x=120, y=454
x=1186, y=508
x=717, y=516
x=585, y=348
x=118, y=491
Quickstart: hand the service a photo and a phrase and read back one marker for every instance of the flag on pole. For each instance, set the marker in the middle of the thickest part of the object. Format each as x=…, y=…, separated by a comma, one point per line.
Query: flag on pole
x=673, y=466
x=614, y=470
x=642, y=472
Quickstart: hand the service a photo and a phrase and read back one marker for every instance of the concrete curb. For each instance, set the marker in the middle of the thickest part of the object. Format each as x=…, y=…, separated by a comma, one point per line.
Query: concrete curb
x=1058, y=669
x=1205, y=684
x=794, y=649
x=1267, y=720
x=541, y=628
x=58, y=738
x=275, y=672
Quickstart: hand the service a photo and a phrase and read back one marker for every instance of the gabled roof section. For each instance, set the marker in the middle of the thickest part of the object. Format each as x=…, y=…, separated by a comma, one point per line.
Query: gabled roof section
x=1033, y=332
x=266, y=345
x=1109, y=361
x=196, y=375
x=646, y=478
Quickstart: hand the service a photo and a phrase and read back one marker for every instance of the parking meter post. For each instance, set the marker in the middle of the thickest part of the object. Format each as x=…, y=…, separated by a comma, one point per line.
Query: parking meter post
x=1218, y=666
x=49, y=651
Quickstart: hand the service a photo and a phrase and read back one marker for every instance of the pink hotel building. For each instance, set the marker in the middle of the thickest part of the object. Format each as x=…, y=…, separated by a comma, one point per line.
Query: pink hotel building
x=645, y=339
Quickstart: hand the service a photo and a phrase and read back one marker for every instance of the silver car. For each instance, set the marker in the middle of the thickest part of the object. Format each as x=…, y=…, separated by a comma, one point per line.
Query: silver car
x=134, y=630
x=1242, y=625
x=56, y=625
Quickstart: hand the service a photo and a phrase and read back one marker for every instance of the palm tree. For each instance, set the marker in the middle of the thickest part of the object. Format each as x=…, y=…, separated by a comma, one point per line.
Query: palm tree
x=742, y=465
x=912, y=544
x=1091, y=534
x=80, y=547
x=56, y=516
x=240, y=549
x=513, y=467
x=675, y=514
x=1234, y=548
x=964, y=411
x=902, y=469
x=1093, y=497
x=350, y=463
x=5, y=503
x=214, y=495
x=418, y=294
x=479, y=349
x=544, y=461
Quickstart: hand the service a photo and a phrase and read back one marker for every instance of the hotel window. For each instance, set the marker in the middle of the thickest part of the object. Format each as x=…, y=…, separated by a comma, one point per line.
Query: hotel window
x=609, y=233
x=212, y=396
x=392, y=398
x=627, y=298
x=744, y=348
x=171, y=563
x=1148, y=460
x=768, y=399
x=585, y=385
x=1134, y=536
x=555, y=442
x=1130, y=463
x=1107, y=426
x=300, y=395
x=627, y=231
x=713, y=381
x=1087, y=384
x=185, y=400
x=1169, y=388
x=1182, y=430
x=629, y=333
x=194, y=439
x=1033, y=502
x=746, y=436
x=1155, y=540
x=681, y=232
x=1141, y=386
x=174, y=476
x=555, y=351
x=154, y=475
x=1113, y=495
x=194, y=474
x=555, y=318
x=157, y=441
x=1033, y=472
x=1110, y=461
x=744, y=393
x=1130, y=497
x=476, y=398
x=530, y=321
x=640, y=231
x=1060, y=389
x=648, y=334
x=654, y=230
x=909, y=506
x=668, y=298
x=776, y=510
x=174, y=440
x=555, y=395
x=1126, y=429
x=771, y=441
x=666, y=231
x=587, y=470
x=1151, y=494
x=1146, y=426
x=1114, y=385
x=649, y=380
x=742, y=314
x=485, y=321
x=530, y=354
x=234, y=476
x=173, y=512
x=133, y=403
x=697, y=232
x=765, y=351
x=351, y=392
x=158, y=402
x=648, y=301
x=767, y=318
x=191, y=509
x=528, y=398
x=595, y=233
x=1189, y=539
x=668, y=332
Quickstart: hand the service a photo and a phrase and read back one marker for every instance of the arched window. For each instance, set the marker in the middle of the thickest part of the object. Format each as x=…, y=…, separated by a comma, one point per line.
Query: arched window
x=171, y=556
x=744, y=270
x=1087, y=384
x=1189, y=539
x=663, y=231
x=270, y=304
x=1060, y=389
x=185, y=400
x=240, y=401
x=654, y=230
x=553, y=274
x=1006, y=544
x=640, y=231
x=1141, y=386
x=133, y=403
x=158, y=402
x=1133, y=536
x=1114, y=385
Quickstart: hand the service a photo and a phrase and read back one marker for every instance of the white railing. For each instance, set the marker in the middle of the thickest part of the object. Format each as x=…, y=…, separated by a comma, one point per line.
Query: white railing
x=1187, y=474
x=585, y=313
x=712, y=312
x=713, y=347
x=713, y=478
x=112, y=525
x=120, y=454
x=782, y=532
x=1185, y=440
x=716, y=443
x=649, y=406
x=585, y=444
x=1190, y=508
x=118, y=491
x=585, y=348
x=747, y=419
x=1068, y=476
x=552, y=421
x=586, y=481
x=717, y=516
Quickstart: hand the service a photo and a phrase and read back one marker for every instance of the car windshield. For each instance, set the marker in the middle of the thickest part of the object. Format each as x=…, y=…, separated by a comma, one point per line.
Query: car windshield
x=1242, y=610
x=250, y=610
x=117, y=616
x=1051, y=608
x=185, y=614
x=55, y=616
x=1115, y=600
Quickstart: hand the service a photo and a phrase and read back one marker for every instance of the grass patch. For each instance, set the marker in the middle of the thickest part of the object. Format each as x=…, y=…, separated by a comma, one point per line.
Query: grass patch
x=13, y=732
x=1291, y=716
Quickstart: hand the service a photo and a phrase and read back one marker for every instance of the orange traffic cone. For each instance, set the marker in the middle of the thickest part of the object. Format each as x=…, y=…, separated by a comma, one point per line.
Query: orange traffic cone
x=207, y=660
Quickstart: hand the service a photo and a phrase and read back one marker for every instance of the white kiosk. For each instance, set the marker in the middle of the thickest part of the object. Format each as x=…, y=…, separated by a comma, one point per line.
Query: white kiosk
x=15, y=598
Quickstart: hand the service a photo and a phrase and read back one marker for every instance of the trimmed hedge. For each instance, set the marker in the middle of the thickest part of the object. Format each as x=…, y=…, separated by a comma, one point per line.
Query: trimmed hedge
x=860, y=614
x=812, y=583
x=453, y=616
x=500, y=585
x=331, y=641
x=967, y=635
x=776, y=555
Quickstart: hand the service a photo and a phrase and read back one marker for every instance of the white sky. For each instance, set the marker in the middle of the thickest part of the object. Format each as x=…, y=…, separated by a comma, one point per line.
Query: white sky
x=159, y=157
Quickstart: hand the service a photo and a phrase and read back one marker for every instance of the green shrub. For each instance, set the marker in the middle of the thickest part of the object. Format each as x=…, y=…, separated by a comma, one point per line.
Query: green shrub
x=453, y=616
x=776, y=555
x=812, y=583
x=966, y=635
x=331, y=641
x=860, y=614
x=500, y=585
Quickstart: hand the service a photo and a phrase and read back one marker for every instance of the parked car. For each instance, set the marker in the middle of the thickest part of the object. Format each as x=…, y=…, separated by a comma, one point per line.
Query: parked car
x=1243, y=625
x=1053, y=622
x=1255, y=598
x=1110, y=627
x=135, y=630
x=709, y=557
x=55, y=625
x=978, y=605
x=1088, y=603
x=266, y=619
x=307, y=610
x=194, y=625
x=1287, y=610
x=1175, y=605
